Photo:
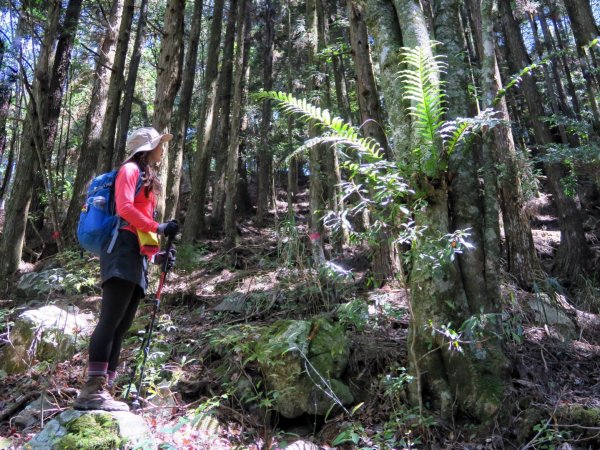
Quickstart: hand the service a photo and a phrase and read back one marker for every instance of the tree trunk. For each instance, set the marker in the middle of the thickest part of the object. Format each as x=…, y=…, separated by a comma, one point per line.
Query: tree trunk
x=217, y=217
x=90, y=147
x=234, y=141
x=520, y=251
x=566, y=67
x=383, y=22
x=265, y=156
x=371, y=115
x=129, y=88
x=49, y=114
x=168, y=81
x=17, y=210
x=316, y=202
x=572, y=255
x=551, y=94
x=194, y=221
x=183, y=114
x=115, y=89
x=585, y=30
x=9, y=167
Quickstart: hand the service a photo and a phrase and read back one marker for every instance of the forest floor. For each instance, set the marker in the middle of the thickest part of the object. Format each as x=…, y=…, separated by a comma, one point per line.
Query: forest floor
x=552, y=402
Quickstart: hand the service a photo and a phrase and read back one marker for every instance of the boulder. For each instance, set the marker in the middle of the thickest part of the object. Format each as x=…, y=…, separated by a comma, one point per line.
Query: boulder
x=34, y=411
x=302, y=362
x=554, y=312
x=93, y=430
x=49, y=333
x=40, y=285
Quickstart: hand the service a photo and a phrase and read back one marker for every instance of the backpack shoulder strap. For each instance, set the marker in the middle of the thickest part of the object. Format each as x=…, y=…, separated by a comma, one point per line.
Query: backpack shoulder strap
x=120, y=222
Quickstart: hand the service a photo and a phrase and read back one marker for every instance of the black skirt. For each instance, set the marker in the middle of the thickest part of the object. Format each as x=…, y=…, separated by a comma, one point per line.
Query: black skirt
x=125, y=261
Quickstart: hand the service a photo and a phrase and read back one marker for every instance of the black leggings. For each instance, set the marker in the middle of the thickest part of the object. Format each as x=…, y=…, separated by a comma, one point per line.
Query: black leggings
x=120, y=300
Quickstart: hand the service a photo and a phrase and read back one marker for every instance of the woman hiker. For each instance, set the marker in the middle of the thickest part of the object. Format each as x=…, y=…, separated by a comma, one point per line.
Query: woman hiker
x=123, y=270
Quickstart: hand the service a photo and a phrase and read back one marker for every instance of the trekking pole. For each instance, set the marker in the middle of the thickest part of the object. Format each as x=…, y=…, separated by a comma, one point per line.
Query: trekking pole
x=145, y=347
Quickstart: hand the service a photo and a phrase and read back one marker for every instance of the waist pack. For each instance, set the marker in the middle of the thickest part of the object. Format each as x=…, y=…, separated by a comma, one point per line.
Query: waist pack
x=98, y=221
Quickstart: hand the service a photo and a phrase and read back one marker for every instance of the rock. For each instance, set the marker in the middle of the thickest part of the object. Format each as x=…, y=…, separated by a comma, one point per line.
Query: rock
x=318, y=395
x=33, y=412
x=295, y=348
x=88, y=430
x=554, y=314
x=49, y=333
x=302, y=445
x=235, y=303
x=164, y=400
x=35, y=285
x=329, y=349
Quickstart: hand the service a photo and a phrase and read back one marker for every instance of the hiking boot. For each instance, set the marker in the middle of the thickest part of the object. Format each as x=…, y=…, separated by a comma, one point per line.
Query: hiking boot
x=94, y=396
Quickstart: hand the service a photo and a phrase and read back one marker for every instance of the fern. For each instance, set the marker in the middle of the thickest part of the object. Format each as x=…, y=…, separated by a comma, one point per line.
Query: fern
x=422, y=88
x=334, y=130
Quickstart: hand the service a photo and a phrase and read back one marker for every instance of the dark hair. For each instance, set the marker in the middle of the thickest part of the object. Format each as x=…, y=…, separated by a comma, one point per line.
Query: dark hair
x=151, y=181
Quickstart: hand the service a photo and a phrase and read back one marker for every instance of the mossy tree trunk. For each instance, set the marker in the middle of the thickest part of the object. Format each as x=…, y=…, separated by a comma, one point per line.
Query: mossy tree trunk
x=471, y=381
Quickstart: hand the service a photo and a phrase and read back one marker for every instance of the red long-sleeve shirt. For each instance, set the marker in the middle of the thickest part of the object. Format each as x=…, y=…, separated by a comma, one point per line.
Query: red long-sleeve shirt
x=137, y=210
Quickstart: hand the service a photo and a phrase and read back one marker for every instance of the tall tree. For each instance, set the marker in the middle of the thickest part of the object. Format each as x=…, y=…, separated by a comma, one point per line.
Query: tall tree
x=585, y=30
x=316, y=201
x=129, y=88
x=236, y=118
x=194, y=221
x=222, y=129
x=11, y=246
x=182, y=116
x=572, y=258
x=90, y=147
x=168, y=81
x=371, y=115
x=265, y=156
x=115, y=90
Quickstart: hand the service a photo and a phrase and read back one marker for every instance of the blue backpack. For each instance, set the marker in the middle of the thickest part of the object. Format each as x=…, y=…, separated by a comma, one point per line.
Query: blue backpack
x=98, y=221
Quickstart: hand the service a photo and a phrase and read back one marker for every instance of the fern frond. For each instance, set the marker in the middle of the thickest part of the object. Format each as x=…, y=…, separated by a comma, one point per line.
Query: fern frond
x=422, y=88
x=337, y=131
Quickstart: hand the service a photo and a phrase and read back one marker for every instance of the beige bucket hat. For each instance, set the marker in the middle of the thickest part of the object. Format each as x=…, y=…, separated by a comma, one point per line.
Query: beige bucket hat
x=143, y=140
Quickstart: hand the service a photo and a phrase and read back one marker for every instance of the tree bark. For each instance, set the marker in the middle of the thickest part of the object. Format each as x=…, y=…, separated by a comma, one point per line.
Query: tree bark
x=194, y=221
x=217, y=217
x=572, y=256
x=115, y=89
x=183, y=114
x=90, y=147
x=520, y=251
x=316, y=201
x=265, y=156
x=585, y=30
x=17, y=209
x=371, y=114
x=129, y=88
x=234, y=141
x=168, y=81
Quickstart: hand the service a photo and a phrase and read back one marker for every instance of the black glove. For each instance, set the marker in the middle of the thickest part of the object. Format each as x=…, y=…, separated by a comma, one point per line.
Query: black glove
x=169, y=229
x=159, y=258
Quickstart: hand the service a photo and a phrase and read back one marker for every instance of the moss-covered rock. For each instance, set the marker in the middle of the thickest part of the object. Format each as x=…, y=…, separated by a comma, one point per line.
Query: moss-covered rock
x=49, y=333
x=93, y=430
x=301, y=362
x=329, y=348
